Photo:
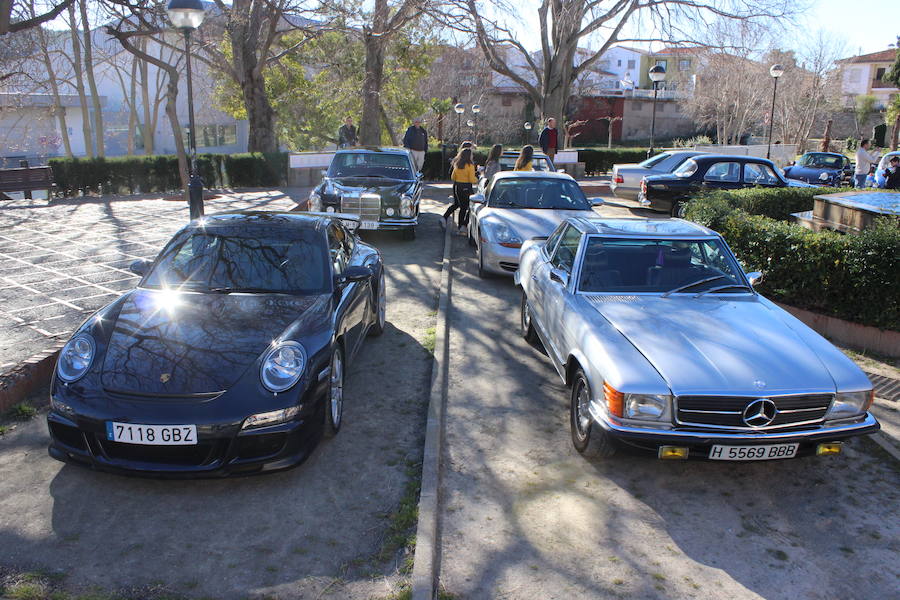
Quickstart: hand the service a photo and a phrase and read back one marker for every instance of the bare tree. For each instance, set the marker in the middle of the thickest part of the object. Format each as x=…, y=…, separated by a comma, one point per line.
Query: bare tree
x=19, y=16
x=79, y=82
x=548, y=75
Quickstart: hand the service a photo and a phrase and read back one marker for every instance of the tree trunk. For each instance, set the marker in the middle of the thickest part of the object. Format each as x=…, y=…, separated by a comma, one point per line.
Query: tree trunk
x=248, y=72
x=826, y=139
x=260, y=115
x=370, y=125
x=149, y=127
x=132, y=106
x=54, y=89
x=79, y=85
x=895, y=132
x=99, y=131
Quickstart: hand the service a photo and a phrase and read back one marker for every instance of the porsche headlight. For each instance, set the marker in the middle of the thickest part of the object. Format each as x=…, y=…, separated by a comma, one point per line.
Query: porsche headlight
x=273, y=417
x=282, y=366
x=406, y=205
x=823, y=176
x=850, y=404
x=503, y=234
x=315, y=202
x=651, y=407
x=76, y=357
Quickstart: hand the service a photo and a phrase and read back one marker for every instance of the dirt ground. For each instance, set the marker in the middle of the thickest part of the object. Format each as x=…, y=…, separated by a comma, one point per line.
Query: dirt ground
x=335, y=527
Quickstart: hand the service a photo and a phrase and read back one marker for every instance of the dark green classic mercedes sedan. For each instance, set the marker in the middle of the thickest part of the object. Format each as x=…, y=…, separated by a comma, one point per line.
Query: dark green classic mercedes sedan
x=380, y=185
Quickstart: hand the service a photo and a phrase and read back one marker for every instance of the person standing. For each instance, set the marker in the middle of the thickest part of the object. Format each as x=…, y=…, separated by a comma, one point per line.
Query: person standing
x=347, y=135
x=492, y=164
x=523, y=163
x=463, y=176
x=416, y=141
x=864, y=162
x=549, y=139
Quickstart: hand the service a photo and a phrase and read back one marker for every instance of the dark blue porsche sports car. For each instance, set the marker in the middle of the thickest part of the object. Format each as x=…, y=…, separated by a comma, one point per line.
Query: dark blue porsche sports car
x=821, y=168
x=229, y=357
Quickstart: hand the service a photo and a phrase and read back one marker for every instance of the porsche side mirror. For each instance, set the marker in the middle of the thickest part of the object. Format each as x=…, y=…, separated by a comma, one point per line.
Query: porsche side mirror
x=477, y=198
x=354, y=273
x=597, y=201
x=140, y=266
x=324, y=172
x=754, y=277
x=559, y=276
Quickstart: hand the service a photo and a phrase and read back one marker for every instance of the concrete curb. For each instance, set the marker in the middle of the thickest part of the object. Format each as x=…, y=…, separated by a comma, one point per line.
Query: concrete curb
x=883, y=440
x=27, y=376
x=426, y=560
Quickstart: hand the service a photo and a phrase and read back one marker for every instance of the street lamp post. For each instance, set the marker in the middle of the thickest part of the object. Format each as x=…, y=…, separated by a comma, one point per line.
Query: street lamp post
x=775, y=71
x=459, y=109
x=657, y=74
x=187, y=15
x=475, y=110
x=527, y=133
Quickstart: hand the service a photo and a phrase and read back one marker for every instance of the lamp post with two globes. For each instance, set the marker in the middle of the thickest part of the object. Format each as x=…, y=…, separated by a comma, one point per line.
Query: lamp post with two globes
x=459, y=109
x=475, y=110
x=775, y=71
x=527, y=135
x=187, y=15
x=657, y=74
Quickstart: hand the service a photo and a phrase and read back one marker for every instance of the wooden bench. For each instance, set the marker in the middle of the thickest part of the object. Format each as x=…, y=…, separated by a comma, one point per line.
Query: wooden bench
x=26, y=179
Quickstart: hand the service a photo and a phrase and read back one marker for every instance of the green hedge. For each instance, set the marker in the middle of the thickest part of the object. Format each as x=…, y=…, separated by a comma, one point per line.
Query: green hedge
x=852, y=277
x=601, y=160
x=132, y=174
x=776, y=203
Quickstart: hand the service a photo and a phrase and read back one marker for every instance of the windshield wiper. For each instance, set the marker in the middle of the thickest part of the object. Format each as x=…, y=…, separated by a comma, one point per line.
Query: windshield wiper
x=242, y=290
x=724, y=287
x=690, y=285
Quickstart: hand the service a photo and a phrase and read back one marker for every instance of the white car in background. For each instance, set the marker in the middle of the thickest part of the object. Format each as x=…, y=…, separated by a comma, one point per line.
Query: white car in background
x=626, y=178
x=880, y=179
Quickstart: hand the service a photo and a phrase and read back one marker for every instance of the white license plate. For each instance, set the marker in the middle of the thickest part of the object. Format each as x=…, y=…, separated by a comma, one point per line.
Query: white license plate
x=151, y=435
x=768, y=452
x=368, y=224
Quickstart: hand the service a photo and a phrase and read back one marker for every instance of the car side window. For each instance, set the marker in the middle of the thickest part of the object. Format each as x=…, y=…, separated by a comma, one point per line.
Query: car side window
x=550, y=244
x=564, y=257
x=337, y=248
x=723, y=171
x=759, y=174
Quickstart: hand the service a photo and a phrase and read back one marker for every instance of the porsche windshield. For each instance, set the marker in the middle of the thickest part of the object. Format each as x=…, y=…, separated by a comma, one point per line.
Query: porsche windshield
x=289, y=261
x=371, y=164
x=658, y=266
x=533, y=192
x=820, y=161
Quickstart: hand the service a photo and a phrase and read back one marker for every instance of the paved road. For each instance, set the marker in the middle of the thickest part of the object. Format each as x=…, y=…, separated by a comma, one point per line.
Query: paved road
x=525, y=516
x=306, y=533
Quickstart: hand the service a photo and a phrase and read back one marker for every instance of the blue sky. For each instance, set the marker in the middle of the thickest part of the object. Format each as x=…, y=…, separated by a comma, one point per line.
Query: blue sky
x=865, y=25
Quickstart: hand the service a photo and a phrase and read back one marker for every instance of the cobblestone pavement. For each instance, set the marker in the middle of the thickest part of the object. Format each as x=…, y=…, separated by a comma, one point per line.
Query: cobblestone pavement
x=61, y=261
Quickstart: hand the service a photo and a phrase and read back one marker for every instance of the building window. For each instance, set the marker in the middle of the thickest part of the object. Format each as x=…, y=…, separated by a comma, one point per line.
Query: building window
x=663, y=63
x=619, y=63
x=684, y=64
x=631, y=64
x=879, y=73
x=854, y=75
x=212, y=135
x=507, y=100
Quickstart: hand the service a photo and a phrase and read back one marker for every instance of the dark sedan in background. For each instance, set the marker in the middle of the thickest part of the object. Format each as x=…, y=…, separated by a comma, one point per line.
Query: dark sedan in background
x=626, y=178
x=229, y=357
x=668, y=193
x=379, y=185
x=821, y=168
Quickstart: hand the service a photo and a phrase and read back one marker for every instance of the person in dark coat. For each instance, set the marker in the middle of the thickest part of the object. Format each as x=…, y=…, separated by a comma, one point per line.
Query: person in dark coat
x=549, y=139
x=892, y=174
x=416, y=141
x=347, y=135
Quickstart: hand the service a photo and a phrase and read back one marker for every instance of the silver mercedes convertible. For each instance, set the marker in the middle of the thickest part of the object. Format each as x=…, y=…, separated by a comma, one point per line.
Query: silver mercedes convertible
x=665, y=345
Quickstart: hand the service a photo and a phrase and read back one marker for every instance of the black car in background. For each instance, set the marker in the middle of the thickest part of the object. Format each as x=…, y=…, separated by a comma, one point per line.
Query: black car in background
x=379, y=185
x=821, y=169
x=669, y=192
x=229, y=356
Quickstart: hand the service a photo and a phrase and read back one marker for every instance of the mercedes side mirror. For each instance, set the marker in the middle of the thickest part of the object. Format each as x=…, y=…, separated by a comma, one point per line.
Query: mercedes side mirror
x=597, y=201
x=754, y=277
x=140, y=266
x=477, y=198
x=354, y=273
x=559, y=276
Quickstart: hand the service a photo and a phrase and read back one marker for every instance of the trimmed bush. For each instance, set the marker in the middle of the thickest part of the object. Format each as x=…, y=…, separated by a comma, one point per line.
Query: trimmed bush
x=133, y=174
x=852, y=277
x=601, y=160
x=775, y=203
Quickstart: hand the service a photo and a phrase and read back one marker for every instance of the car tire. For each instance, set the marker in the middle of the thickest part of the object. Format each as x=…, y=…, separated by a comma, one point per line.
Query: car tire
x=334, y=398
x=471, y=237
x=482, y=272
x=527, y=326
x=380, y=303
x=589, y=439
x=408, y=233
x=678, y=209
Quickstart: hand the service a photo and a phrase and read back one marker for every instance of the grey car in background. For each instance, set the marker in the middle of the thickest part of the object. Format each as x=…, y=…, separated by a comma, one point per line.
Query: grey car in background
x=666, y=346
x=626, y=178
x=517, y=206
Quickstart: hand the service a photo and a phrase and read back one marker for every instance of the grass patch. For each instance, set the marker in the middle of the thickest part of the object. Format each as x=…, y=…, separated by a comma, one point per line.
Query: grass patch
x=779, y=554
x=402, y=522
x=3, y=429
x=25, y=591
x=659, y=576
x=430, y=338
x=22, y=411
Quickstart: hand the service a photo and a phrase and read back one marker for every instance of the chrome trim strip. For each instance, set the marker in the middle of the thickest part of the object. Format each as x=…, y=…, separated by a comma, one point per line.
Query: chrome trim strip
x=711, y=412
x=766, y=428
x=775, y=398
x=325, y=373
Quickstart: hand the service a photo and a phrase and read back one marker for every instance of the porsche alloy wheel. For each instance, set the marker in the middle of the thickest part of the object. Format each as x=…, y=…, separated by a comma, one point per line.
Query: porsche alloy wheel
x=528, y=331
x=334, y=409
x=380, y=308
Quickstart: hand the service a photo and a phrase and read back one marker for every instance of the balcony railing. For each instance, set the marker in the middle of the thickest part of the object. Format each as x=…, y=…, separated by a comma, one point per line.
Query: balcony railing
x=880, y=84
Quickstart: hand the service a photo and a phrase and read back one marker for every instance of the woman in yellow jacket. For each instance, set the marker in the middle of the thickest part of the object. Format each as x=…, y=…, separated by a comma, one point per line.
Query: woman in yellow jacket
x=463, y=176
x=523, y=163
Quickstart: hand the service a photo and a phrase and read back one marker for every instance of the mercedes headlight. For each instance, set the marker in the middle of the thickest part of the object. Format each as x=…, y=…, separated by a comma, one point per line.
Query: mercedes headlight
x=651, y=407
x=315, y=202
x=504, y=235
x=282, y=366
x=850, y=404
x=76, y=357
x=406, y=205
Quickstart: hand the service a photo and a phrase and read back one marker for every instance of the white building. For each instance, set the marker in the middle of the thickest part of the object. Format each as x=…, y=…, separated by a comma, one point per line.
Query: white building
x=864, y=75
